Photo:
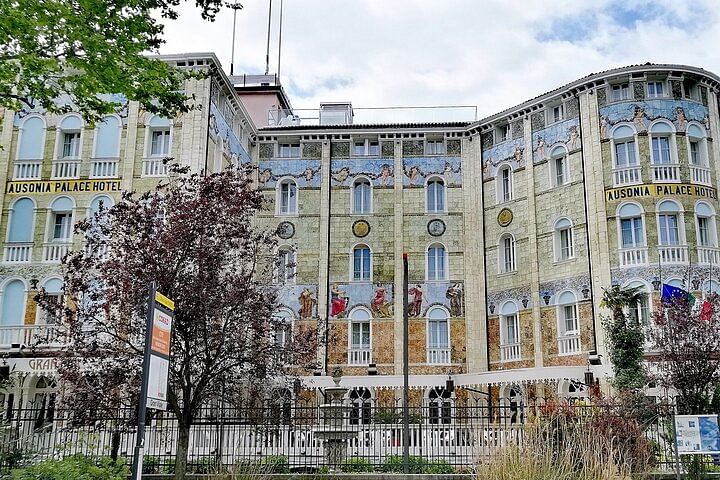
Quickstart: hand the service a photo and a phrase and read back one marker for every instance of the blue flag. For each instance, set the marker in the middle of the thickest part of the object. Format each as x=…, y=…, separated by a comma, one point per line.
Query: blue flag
x=669, y=292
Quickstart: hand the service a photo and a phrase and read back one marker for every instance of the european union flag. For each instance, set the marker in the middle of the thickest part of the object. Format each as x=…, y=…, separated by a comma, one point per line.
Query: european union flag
x=669, y=292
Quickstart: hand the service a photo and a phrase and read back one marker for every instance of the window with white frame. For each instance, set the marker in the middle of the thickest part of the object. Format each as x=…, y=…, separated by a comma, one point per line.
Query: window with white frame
x=366, y=147
x=31, y=139
x=53, y=289
x=564, y=242
x=289, y=150
x=669, y=225
x=632, y=226
x=504, y=133
x=568, y=314
x=706, y=229
x=640, y=311
x=285, y=266
x=434, y=147
x=559, y=166
x=625, y=147
x=282, y=327
x=360, y=336
x=287, y=196
x=361, y=263
x=101, y=201
x=61, y=220
x=507, y=253
x=556, y=113
x=13, y=303
x=435, y=195
x=661, y=140
x=436, y=262
x=362, y=196
x=69, y=136
x=158, y=137
x=697, y=145
x=655, y=89
x=620, y=91
x=505, y=184
x=438, y=335
x=107, y=138
x=509, y=331
x=22, y=221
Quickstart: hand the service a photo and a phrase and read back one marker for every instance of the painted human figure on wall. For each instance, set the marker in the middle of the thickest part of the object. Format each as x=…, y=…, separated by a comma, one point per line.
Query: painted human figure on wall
x=572, y=143
x=681, y=120
x=541, y=148
x=518, y=156
x=486, y=169
x=307, y=302
x=379, y=304
x=454, y=294
x=342, y=175
x=309, y=174
x=264, y=177
x=385, y=175
x=413, y=173
x=639, y=119
x=448, y=174
x=416, y=303
x=603, y=127
x=338, y=301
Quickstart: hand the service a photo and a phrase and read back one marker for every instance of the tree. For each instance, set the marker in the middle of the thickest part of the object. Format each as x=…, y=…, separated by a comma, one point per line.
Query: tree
x=687, y=338
x=195, y=237
x=62, y=55
x=625, y=337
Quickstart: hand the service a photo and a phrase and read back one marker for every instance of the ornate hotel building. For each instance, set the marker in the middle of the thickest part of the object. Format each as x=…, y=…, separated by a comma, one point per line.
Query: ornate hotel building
x=513, y=225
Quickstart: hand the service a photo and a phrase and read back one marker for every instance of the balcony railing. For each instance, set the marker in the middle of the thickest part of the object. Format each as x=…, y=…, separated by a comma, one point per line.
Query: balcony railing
x=154, y=167
x=438, y=356
x=37, y=335
x=569, y=344
x=708, y=255
x=27, y=170
x=65, y=169
x=627, y=176
x=53, y=252
x=510, y=351
x=104, y=168
x=673, y=253
x=359, y=356
x=18, y=253
x=630, y=257
x=700, y=175
x=668, y=172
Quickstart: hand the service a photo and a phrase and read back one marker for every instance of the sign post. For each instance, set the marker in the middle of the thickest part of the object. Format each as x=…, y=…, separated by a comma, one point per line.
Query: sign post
x=156, y=367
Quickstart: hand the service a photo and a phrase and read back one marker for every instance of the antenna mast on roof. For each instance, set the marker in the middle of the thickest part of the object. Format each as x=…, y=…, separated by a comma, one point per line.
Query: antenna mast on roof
x=235, y=7
x=267, y=50
x=280, y=39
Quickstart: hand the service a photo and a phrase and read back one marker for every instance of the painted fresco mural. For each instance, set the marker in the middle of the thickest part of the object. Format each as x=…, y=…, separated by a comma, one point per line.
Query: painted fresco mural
x=305, y=172
x=697, y=277
x=219, y=128
x=579, y=284
x=512, y=151
x=425, y=295
x=565, y=133
x=377, y=297
x=521, y=295
x=380, y=171
x=301, y=299
x=417, y=169
x=640, y=114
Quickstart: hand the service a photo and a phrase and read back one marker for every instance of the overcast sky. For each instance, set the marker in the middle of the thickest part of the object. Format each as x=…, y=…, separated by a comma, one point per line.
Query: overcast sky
x=491, y=54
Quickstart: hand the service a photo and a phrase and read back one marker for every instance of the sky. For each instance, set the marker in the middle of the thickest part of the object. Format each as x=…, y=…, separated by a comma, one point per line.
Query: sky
x=492, y=54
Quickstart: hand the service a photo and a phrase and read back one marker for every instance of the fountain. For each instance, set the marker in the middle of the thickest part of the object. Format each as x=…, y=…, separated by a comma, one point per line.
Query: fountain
x=334, y=430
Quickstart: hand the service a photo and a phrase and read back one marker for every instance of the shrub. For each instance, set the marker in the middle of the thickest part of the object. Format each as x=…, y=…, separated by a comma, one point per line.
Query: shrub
x=73, y=468
x=204, y=465
x=394, y=464
x=151, y=464
x=356, y=465
x=276, y=464
x=439, y=467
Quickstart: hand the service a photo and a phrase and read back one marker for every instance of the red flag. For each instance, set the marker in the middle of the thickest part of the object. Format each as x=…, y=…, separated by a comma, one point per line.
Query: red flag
x=706, y=311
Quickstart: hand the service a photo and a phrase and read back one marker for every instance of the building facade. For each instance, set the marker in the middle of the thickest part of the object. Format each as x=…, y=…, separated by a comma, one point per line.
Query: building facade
x=512, y=225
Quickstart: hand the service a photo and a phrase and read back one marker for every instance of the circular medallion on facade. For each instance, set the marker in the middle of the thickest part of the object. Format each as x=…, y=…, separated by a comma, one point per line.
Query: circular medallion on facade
x=285, y=230
x=505, y=217
x=360, y=228
x=436, y=227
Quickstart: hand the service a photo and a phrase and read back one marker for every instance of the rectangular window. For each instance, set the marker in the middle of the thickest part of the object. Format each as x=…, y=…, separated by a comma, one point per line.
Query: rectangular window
x=625, y=154
x=511, y=330
x=655, y=89
x=438, y=334
x=694, y=152
x=71, y=145
x=566, y=244
x=558, y=113
x=62, y=226
x=570, y=317
x=160, y=143
x=560, y=171
x=641, y=310
x=661, y=150
x=361, y=264
x=508, y=255
x=374, y=148
x=436, y=263
x=621, y=91
x=286, y=266
x=703, y=231
x=288, y=198
x=434, y=147
x=289, y=150
x=504, y=133
x=668, y=225
x=359, y=148
x=360, y=335
x=361, y=197
x=506, y=185
x=632, y=233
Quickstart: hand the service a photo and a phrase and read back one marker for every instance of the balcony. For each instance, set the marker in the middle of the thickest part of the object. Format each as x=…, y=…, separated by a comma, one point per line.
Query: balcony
x=708, y=255
x=54, y=252
x=65, y=169
x=677, y=254
x=27, y=170
x=700, y=175
x=569, y=344
x=667, y=172
x=631, y=257
x=438, y=356
x=359, y=356
x=104, y=168
x=18, y=253
x=36, y=335
x=509, y=352
x=154, y=167
x=627, y=176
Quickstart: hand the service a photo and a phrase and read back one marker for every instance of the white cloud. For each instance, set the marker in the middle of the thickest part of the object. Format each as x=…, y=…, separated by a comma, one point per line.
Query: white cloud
x=493, y=54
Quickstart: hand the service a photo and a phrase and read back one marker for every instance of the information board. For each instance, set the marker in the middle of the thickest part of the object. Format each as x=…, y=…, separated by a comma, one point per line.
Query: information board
x=159, y=361
x=697, y=434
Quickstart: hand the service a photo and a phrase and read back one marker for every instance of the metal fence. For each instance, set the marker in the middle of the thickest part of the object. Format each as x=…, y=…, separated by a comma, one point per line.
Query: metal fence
x=444, y=435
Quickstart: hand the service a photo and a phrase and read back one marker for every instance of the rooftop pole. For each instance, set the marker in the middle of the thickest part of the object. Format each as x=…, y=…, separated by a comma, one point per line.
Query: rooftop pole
x=235, y=7
x=267, y=49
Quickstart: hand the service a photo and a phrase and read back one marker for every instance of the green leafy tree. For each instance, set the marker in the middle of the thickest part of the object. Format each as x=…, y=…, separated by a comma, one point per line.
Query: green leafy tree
x=62, y=55
x=625, y=337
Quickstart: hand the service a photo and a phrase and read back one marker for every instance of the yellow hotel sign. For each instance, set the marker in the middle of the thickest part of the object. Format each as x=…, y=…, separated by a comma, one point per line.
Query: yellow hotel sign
x=659, y=190
x=62, y=186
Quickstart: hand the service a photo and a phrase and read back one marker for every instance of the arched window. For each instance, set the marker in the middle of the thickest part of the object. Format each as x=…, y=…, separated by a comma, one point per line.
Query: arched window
x=100, y=201
x=158, y=137
x=107, y=138
x=360, y=347
x=22, y=221
x=670, y=231
x=512, y=398
x=705, y=228
x=362, y=196
x=506, y=254
x=641, y=311
x=698, y=154
x=32, y=139
x=435, y=195
x=43, y=403
x=61, y=220
x=568, y=323
x=361, y=404
x=13, y=306
x=285, y=266
x=504, y=184
x=625, y=147
x=661, y=140
x=439, y=406
x=711, y=286
x=564, y=242
x=287, y=197
x=437, y=262
x=559, y=166
x=282, y=327
x=53, y=287
x=69, y=134
x=509, y=332
x=438, y=336
x=361, y=263
x=676, y=282
x=631, y=225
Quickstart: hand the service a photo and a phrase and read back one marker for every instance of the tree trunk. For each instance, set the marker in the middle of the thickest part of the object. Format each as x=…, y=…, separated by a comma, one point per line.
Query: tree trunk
x=181, y=452
x=115, y=444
